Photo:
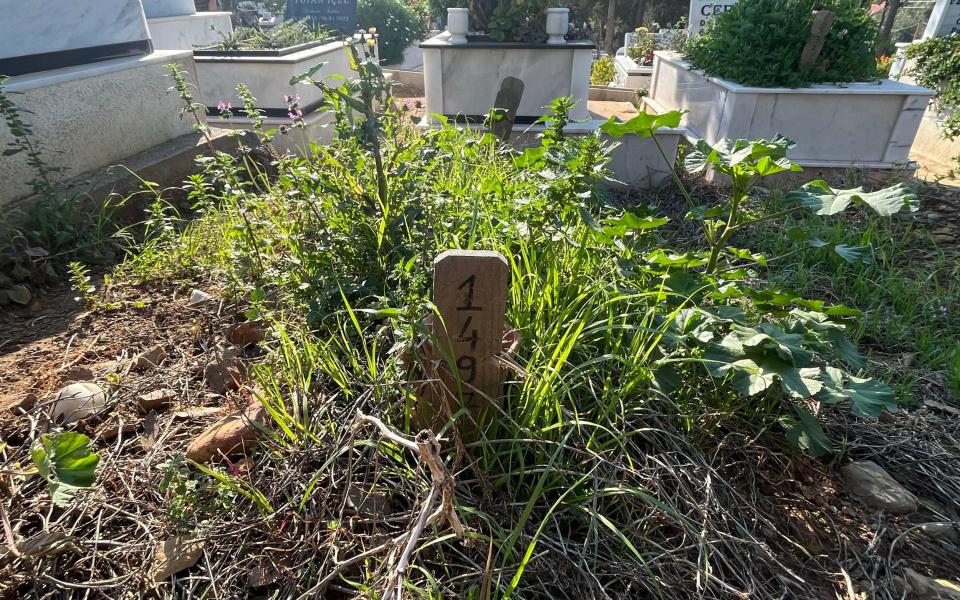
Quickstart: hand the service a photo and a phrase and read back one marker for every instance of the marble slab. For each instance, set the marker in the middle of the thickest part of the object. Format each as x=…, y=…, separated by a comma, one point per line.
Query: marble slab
x=155, y=9
x=30, y=28
x=945, y=19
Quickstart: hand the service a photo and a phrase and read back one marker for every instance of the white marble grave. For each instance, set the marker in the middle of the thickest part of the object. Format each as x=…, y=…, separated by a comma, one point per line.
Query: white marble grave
x=168, y=8
x=90, y=87
x=869, y=124
x=945, y=19
x=462, y=79
x=89, y=30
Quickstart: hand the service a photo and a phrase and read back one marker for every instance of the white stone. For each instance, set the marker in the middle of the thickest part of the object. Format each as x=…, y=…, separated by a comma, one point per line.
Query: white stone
x=629, y=74
x=168, y=8
x=93, y=116
x=188, y=32
x=702, y=11
x=944, y=20
x=268, y=77
x=77, y=401
x=870, y=124
x=28, y=28
x=464, y=80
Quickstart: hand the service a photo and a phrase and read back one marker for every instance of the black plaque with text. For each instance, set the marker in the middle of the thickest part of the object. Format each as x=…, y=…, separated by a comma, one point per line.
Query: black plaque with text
x=340, y=14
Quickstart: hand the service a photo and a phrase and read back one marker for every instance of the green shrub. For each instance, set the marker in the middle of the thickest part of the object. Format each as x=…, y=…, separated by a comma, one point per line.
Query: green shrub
x=643, y=48
x=937, y=66
x=283, y=35
x=602, y=72
x=397, y=26
x=759, y=42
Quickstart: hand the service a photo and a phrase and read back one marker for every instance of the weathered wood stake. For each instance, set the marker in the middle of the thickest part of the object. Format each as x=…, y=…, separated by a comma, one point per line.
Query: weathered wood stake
x=506, y=104
x=470, y=292
x=822, y=22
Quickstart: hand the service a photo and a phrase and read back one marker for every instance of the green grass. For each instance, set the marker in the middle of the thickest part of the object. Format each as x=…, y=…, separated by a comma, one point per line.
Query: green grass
x=909, y=294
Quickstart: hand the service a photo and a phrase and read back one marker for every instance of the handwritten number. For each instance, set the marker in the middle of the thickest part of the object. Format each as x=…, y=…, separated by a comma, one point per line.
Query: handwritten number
x=474, y=335
x=468, y=364
x=468, y=299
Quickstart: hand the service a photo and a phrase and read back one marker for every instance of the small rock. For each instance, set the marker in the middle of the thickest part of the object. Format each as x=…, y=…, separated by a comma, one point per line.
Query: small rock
x=925, y=588
x=234, y=434
x=155, y=399
x=173, y=556
x=873, y=486
x=75, y=374
x=19, y=294
x=941, y=531
x=150, y=358
x=225, y=371
x=262, y=574
x=111, y=431
x=5, y=281
x=249, y=332
x=200, y=298
x=78, y=401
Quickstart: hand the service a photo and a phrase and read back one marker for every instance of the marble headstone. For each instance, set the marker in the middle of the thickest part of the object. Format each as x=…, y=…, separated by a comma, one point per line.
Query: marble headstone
x=701, y=11
x=945, y=19
x=42, y=35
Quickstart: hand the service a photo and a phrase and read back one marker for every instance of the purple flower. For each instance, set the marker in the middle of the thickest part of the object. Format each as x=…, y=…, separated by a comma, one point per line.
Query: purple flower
x=224, y=106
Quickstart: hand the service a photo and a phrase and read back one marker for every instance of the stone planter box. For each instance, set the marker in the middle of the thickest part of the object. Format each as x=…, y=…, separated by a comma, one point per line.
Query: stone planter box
x=461, y=80
x=630, y=74
x=869, y=124
x=267, y=73
x=188, y=32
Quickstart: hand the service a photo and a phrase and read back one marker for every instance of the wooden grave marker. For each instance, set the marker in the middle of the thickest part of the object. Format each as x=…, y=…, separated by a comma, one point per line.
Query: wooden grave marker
x=470, y=292
x=822, y=22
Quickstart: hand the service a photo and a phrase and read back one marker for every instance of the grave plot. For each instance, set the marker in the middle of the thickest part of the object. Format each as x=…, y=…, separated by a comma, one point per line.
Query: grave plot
x=817, y=84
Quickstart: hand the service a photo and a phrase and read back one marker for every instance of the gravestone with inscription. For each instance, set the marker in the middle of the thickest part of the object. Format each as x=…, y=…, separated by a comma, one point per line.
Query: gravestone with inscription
x=470, y=292
x=339, y=14
x=945, y=19
x=702, y=11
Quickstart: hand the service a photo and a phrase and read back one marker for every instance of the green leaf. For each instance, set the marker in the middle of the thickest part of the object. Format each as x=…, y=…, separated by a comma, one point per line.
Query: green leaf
x=755, y=157
x=644, y=124
x=868, y=397
x=307, y=77
x=855, y=254
x=672, y=259
x=788, y=346
x=805, y=432
x=629, y=221
x=66, y=462
x=801, y=383
x=819, y=197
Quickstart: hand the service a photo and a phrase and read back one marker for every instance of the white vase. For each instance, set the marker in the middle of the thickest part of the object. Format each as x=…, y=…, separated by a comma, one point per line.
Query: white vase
x=558, y=23
x=458, y=23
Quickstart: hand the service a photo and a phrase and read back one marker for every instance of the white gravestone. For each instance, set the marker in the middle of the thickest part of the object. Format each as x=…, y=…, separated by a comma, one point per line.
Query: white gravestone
x=69, y=33
x=945, y=19
x=702, y=11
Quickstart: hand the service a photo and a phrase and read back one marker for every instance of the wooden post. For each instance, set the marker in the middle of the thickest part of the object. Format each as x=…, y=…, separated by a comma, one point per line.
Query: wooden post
x=506, y=105
x=470, y=292
x=822, y=22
